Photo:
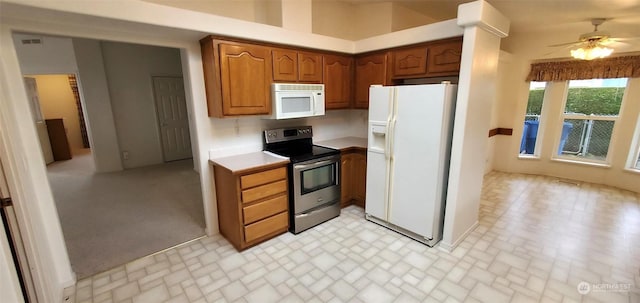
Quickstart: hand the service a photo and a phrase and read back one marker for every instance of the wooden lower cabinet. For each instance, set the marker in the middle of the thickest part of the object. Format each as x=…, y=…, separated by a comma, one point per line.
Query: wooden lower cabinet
x=354, y=178
x=359, y=178
x=252, y=206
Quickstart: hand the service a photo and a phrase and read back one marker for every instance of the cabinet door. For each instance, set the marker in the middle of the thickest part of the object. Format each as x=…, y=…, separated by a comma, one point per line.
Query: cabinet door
x=285, y=65
x=370, y=70
x=338, y=75
x=309, y=67
x=444, y=59
x=245, y=72
x=346, y=176
x=359, y=177
x=410, y=62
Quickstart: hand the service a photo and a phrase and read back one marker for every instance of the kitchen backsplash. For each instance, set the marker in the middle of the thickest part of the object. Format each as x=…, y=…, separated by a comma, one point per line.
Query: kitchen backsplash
x=244, y=135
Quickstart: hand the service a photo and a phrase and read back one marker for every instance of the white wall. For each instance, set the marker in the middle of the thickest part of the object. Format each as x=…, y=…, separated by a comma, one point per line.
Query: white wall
x=296, y=15
x=92, y=83
x=500, y=118
x=372, y=19
x=57, y=101
x=60, y=55
x=26, y=176
x=403, y=18
x=54, y=56
x=129, y=69
x=513, y=92
x=243, y=10
x=333, y=18
x=512, y=115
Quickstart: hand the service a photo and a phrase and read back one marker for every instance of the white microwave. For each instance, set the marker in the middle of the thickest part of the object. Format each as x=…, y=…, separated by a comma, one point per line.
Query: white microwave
x=293, y=100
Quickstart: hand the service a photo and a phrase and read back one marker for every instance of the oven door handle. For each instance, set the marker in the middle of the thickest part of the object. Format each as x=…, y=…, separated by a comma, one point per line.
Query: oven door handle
x=305, y=166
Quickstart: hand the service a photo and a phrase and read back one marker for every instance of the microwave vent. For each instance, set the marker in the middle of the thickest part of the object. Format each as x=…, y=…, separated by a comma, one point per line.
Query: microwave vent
x=298, y=87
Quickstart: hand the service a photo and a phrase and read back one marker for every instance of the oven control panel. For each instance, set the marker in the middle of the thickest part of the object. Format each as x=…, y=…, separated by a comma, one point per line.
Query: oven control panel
x=287, y=134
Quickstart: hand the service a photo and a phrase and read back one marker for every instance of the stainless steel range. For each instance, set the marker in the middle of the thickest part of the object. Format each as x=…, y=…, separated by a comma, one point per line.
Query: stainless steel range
x=314, y=176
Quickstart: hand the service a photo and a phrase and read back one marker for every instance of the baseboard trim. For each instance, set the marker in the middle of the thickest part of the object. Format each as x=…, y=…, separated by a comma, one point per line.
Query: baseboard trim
x=449, y=247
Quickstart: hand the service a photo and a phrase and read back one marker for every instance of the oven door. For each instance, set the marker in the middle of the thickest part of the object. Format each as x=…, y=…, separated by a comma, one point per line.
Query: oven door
x=316, y=183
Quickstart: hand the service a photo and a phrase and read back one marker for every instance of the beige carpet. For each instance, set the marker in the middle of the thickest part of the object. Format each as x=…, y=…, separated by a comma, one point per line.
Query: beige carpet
x=109, y=219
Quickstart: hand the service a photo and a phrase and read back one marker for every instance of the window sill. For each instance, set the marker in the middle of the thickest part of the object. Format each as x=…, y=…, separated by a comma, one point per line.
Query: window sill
x=586, y=163
x=633, y=170
x=528, y=157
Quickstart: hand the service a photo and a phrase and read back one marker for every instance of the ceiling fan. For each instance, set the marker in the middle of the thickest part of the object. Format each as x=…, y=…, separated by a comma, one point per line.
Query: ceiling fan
x=592, y=45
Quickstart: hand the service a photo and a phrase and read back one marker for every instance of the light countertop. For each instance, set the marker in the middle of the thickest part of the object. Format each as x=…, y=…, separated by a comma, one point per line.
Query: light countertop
x=240, y=163
x=344, y=143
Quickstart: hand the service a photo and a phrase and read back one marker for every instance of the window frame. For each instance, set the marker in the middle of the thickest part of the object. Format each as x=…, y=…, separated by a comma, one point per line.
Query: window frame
x=576, y=116
x=634, y=151
x=541, y=121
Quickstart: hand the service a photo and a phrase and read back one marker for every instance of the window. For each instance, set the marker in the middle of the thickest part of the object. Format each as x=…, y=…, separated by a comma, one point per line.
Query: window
x=532, y=118
x=590, y=113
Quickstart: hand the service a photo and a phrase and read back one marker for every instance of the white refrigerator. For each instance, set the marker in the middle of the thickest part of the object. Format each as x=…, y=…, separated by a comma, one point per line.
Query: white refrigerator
x=409, y=143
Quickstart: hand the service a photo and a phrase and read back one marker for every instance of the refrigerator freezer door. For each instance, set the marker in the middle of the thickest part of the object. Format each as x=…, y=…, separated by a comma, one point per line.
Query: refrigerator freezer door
x=376, y=192
x=416, y=173
x=380, y=103
x=380, y=107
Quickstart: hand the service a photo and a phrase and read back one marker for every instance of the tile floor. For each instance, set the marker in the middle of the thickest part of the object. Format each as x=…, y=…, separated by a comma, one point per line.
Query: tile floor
x=538, y=240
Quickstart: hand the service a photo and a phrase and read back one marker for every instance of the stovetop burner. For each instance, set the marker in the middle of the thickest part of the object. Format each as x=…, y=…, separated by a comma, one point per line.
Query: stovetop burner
x=295, y=143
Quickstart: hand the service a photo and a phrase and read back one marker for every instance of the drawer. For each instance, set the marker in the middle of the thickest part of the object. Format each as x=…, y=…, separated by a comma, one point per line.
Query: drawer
x=264, y=191
x=264, y=209
x=264, y=177
x=266, y=226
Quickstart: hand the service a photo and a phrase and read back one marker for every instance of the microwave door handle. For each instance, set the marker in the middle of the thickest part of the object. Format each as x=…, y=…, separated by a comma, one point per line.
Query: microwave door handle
x=305, y=166
x=313, y=103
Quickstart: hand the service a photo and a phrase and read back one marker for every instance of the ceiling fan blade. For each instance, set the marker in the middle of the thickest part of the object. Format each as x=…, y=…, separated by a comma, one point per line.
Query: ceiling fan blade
x=560, y=50
x=565, y=44
x=624, y=39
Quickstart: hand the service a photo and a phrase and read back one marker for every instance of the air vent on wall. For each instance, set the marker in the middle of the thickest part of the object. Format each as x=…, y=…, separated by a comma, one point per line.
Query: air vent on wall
x=31, y=41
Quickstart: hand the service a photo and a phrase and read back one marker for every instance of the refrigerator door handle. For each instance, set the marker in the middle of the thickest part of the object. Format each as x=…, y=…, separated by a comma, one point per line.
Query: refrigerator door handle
x=387, y=143
x=390, y=138
x=387, y=140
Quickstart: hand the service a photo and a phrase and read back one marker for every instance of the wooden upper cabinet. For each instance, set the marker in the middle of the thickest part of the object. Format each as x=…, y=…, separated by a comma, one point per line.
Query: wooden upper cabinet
x=245, y=72
x=338, y=81
x=370, y=69
x=285, y=65
x=237, y=77
x=295, y=66
x=444, y=58
x=410, y=62
x=238, y=74
x=309, y=67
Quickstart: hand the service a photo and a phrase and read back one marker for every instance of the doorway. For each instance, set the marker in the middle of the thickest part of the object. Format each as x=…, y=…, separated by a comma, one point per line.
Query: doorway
x=154, y=201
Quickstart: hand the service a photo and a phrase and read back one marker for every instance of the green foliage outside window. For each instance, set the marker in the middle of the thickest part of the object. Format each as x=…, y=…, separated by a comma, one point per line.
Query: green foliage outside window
x=583, y=100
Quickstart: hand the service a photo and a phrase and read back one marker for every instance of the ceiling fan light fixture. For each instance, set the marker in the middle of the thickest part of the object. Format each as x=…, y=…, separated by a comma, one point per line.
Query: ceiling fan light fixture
x=591, y=52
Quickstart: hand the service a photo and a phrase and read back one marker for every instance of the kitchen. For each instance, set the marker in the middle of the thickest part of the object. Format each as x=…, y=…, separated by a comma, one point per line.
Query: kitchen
x=244, y=135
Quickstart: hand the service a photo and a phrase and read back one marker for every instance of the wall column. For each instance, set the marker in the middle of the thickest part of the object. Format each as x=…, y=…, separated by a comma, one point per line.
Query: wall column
x=96, y=101
x=483, y=27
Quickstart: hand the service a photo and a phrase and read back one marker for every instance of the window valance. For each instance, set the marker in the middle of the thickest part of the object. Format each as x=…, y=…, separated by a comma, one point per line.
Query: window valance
x=616, y=67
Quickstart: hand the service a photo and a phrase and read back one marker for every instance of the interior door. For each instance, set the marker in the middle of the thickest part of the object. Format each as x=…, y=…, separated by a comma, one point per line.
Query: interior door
x=171, y=108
